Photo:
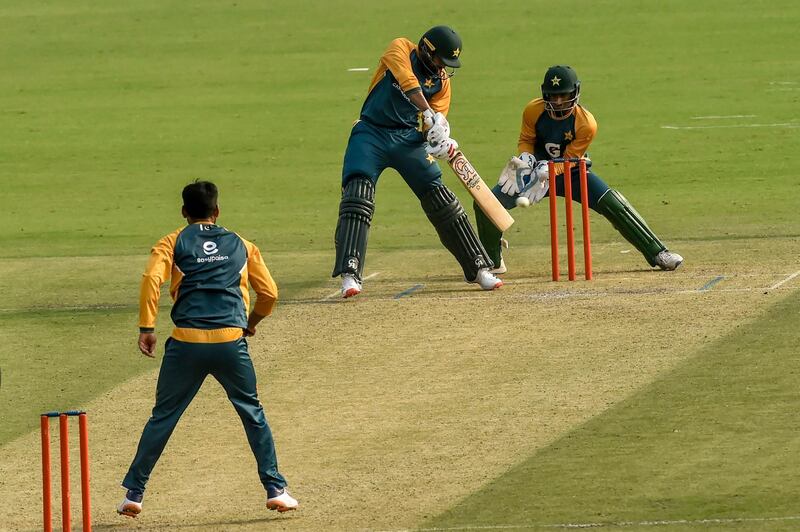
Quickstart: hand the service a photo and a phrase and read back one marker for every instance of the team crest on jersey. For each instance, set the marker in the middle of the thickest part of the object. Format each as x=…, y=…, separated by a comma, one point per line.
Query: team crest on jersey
x=428, y=83
x=568, y=135
x=552, y=149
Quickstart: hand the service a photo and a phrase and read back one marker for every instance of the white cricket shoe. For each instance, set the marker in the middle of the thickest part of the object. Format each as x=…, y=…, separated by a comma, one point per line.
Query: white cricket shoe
x=350, y=285
x=281, y=501
x=130, y=507
x=486, y=280
x=501, y=268
x=667, y=260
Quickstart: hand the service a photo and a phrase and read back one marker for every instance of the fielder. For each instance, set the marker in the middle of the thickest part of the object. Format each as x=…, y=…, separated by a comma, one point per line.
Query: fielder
x=409, y=94
x=554, y=126
x=210, y=269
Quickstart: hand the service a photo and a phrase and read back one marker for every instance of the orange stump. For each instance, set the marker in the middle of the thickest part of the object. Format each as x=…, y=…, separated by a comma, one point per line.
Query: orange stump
x=63, y=433
x=569, y=218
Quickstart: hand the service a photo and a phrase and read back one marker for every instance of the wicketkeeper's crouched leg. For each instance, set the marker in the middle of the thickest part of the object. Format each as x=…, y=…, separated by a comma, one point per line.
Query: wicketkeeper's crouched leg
x=455, y=231
x=352, y=230
x=630, y=224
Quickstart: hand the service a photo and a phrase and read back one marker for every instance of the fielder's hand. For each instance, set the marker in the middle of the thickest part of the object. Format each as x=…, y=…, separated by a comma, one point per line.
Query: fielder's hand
x=147, y=344
x=443, y=150
x=439, y=131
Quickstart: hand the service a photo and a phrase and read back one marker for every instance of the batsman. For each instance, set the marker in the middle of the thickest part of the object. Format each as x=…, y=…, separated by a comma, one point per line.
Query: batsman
x=403, y=125
x=556, y=126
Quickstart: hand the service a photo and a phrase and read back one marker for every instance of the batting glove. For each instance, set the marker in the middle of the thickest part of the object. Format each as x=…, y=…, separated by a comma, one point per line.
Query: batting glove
x=439, y=131
x=443, y=150
x=428, y=118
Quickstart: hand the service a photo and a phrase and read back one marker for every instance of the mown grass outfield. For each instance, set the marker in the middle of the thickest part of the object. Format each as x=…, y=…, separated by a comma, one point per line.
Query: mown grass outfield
x=642, y=400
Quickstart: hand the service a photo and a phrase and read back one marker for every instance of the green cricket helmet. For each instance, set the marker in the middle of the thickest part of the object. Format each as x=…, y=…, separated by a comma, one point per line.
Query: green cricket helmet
x=560, y=80
x=444, y=44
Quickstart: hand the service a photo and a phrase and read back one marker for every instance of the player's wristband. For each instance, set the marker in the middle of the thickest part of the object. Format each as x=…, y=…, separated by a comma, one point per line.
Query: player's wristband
x=147, y=330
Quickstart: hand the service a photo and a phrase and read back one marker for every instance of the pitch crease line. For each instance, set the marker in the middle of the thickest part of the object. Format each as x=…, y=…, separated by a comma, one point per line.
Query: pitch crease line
x=339, y=292
x=780, y=283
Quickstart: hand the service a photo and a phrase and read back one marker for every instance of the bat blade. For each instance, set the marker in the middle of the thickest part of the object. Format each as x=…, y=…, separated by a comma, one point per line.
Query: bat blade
x=482, y=194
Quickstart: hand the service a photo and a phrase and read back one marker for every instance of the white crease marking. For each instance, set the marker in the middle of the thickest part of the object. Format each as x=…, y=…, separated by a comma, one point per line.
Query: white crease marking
x=721, y=117
x=786, y=280
x=780, y=124
x=658, y=522
x=339, y=292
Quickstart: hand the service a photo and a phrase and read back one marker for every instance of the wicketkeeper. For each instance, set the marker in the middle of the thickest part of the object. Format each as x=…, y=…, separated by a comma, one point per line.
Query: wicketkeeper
x=409, y=94
x=555, y=126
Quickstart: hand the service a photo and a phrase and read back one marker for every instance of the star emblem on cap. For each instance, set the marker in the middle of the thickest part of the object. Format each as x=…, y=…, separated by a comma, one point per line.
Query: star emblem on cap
x=429, y=83
x=556, y=81
x=456, y=52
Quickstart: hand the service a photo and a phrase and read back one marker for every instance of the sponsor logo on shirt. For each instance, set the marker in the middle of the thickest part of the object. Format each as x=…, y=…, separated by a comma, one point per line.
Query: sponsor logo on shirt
x=210, y=248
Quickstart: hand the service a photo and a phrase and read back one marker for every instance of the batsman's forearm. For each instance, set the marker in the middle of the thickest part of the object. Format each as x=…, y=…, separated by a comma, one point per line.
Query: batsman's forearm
x=419, y=101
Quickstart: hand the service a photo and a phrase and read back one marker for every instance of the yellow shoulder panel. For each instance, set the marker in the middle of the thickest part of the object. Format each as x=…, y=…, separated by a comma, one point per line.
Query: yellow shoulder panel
x=527, y=132
x=157, y=272
x=260, y=279
x=397, y=58
x=585, y=129
x=441, y=100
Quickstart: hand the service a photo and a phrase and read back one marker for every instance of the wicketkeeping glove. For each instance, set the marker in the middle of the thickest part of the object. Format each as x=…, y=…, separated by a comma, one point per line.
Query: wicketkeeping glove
x=514, y=175
x=541, y=171
x=443, y=150
x=535, y=188
x=528, y=159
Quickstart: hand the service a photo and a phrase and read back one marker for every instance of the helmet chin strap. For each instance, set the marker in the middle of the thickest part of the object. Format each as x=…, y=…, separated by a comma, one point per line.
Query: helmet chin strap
x=430, y=65
x=427, y=62
x=447, y=74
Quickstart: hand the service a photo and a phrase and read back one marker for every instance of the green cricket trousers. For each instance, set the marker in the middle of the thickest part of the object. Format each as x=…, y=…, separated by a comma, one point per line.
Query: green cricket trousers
x=183, y=370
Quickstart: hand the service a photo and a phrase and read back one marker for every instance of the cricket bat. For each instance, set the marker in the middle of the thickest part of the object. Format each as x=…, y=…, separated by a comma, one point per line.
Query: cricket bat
x=482, y=194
